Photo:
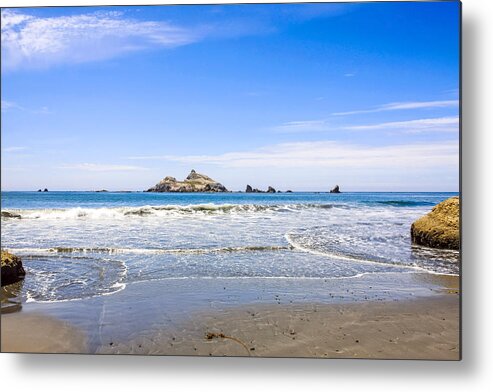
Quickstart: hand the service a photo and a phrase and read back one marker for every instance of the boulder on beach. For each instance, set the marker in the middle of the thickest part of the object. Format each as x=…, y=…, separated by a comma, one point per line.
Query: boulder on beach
x=439, y=228
x=12, y=270
x=335, y=189
x=195, y=182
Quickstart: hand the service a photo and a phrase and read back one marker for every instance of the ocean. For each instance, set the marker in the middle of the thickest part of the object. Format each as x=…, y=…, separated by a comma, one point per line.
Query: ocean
x=81, y=245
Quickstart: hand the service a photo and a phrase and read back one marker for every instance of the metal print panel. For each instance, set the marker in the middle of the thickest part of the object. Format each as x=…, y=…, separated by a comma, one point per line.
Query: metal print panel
x=268, y=180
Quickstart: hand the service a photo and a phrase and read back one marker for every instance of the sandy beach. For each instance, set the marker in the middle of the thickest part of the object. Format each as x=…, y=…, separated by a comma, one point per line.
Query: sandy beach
x=420, y=329
x=36, y=333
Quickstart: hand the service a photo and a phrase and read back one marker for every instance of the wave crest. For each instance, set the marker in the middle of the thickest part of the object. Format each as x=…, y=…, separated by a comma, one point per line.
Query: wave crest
x=70, y=250
x=157, y=211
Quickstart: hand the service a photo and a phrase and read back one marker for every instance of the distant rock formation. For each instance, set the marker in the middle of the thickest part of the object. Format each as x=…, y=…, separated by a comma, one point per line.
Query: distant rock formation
x=289, y=191
x=39, y=190
x=45, y=190
x=335, y=189
x=249, y=189
x=102, y=190
x=195, y=182
x=439, y=228
x=11, y=268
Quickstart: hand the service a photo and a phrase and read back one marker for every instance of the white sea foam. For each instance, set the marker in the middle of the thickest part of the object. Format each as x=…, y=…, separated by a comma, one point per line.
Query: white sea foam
x=156, y=211
x=33, y=252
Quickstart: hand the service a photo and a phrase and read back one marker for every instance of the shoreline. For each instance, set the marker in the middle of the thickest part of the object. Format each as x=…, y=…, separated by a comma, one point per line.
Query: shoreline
x=423, y=327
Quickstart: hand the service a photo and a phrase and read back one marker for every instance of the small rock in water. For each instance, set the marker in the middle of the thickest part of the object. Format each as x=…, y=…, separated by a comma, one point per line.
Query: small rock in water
x=335, y=189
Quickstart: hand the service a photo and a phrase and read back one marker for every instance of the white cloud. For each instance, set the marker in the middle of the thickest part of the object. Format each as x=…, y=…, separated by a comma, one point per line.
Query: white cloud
x=301, y=126
x=331, y=154
x=96, y=167
x=7, y=105
x=442, y=124
x=14, y=149
x=403, y=106
x=29, y=41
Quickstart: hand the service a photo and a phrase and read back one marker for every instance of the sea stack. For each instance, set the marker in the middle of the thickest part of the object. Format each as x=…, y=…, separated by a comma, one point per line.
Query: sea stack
x=271, y=190
x=335, y=189
x=11, y=268
x=439, y=228
x=195, y=182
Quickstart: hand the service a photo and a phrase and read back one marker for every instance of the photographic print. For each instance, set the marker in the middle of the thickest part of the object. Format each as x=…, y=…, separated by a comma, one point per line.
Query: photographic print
x=244, y=180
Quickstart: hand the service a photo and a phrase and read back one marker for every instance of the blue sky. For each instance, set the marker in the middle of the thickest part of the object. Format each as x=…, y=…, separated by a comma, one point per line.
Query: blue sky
x=297, y=96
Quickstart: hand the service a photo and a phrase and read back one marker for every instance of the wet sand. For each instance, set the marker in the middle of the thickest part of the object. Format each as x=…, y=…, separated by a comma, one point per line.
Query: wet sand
x=353, y=319
x=35, y=333
x=417, y=329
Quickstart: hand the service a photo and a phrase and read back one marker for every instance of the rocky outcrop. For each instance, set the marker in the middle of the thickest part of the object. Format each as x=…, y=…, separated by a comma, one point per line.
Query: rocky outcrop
x=12, y=270
x=289, y=191
x=335, y=189
x=249, y=189
x=439, y=228
x=7, y=214
x=195, y=182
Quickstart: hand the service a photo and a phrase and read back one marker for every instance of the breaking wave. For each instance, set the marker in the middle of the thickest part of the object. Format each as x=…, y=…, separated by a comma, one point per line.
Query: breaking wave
x=68, y=250
x=158, y=211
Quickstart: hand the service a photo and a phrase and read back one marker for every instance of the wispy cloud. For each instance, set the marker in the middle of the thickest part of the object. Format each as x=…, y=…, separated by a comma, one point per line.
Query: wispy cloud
x=29, y=41
x=96, y=167
x=10, y=105
x=14, y=149
x=330, y=154
x=301, y=126
x=403, y=106
x=442, y=124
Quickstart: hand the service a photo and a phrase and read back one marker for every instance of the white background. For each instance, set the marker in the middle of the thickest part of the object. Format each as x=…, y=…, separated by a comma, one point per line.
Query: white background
x=473, y=373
